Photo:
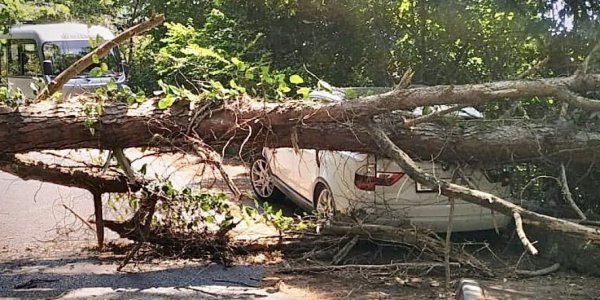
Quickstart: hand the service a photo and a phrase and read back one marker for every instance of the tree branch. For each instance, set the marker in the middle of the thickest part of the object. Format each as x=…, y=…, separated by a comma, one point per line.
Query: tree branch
x=478, y=197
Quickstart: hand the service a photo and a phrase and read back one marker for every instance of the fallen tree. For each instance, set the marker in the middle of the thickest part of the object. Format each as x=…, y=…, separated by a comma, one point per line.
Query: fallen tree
x=302, y=124
x=49, y=125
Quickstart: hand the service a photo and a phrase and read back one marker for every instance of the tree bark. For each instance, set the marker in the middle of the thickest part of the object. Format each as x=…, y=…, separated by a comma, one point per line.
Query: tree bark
x=88, y=178
x=61, y=126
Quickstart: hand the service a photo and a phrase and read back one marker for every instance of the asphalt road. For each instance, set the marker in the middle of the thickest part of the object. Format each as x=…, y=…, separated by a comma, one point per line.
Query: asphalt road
x=32, y=213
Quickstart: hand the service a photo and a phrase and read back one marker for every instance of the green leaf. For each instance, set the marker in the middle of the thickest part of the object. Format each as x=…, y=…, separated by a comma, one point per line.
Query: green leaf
x=166, y=102
x=238, y=63
x=95, y=59
x=249, y=74
x=140, y=97
x=304, y=92
x=283, y=88
x=111, y=85
x=96, y=72
x=104, y=67
x=295, y=79
x=427, y=110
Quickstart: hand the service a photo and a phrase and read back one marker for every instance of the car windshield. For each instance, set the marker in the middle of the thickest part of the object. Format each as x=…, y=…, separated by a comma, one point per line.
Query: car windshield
x=62, y=54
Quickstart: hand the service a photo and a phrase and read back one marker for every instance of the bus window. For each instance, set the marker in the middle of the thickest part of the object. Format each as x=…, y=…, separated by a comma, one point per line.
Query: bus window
x=23, y=59
x=64, y=53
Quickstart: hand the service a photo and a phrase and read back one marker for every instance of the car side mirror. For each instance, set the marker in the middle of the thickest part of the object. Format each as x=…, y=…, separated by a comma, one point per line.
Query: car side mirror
x=47, y=67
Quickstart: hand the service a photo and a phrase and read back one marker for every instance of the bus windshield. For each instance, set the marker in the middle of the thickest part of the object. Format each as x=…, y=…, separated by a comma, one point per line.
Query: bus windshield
x=62, y=54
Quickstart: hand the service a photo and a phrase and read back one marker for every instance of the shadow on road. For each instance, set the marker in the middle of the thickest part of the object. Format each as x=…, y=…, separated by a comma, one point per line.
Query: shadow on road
x=83, y=278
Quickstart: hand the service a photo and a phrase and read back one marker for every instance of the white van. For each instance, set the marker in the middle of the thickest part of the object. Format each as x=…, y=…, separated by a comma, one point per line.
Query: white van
x=31, y=55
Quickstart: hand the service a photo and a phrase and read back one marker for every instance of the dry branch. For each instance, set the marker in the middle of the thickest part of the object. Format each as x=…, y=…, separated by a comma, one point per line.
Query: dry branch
x=100, y=52
x=567, y=192
x=394, y=266
x=521, y=234
x=84, y=177
x=337, y=258
x=541, y=272
x=420, y=240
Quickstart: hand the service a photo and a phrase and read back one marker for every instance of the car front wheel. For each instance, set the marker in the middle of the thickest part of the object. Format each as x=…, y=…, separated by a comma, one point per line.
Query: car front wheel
x=262, y=183
x=325, y=205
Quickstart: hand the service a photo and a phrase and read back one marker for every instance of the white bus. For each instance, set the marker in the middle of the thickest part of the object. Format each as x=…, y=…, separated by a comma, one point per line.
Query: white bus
x=32, y=54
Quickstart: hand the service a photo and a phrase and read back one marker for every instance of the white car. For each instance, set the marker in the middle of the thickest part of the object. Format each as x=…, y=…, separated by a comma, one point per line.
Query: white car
x=374, y=189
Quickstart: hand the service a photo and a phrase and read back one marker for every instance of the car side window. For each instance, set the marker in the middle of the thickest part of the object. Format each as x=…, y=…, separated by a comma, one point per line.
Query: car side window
x=23, y=59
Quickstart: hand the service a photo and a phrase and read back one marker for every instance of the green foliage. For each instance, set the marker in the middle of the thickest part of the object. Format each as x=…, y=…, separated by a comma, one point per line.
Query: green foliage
x=11, y=97
x=190, y=211
x=14, y=11
x=218, y=60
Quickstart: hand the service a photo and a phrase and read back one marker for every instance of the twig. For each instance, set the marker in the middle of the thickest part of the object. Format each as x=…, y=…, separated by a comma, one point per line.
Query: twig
x=142, y=220
x=79, y=217
x=521, y=234
x=540, y=272
x=124, y=163
x=448, y=245
x=235, y=282
x=337, y=258
x=567, y=193
x=457, y=173
x=368, y=267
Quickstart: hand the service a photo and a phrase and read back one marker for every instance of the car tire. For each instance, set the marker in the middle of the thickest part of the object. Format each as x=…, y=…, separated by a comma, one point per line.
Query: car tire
x=261, y=181
x=324, y=202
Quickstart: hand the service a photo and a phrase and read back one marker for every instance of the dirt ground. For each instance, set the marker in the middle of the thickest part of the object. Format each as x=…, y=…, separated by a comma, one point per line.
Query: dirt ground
x=46, y=253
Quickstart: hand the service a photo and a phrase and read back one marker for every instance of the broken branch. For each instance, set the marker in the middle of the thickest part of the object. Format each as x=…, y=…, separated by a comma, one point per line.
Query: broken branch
x=478, y=197
x=521, y=234
x=545, y=271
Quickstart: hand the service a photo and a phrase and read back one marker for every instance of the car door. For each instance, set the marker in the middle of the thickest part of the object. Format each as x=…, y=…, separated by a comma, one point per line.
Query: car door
x=297, y=169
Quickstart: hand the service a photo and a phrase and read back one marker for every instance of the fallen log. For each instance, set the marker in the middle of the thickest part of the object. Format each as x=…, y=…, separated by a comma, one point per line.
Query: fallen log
x=49, y=125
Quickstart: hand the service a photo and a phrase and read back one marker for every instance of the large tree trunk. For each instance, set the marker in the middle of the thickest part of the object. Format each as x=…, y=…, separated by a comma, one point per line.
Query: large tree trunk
x=61, y=126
